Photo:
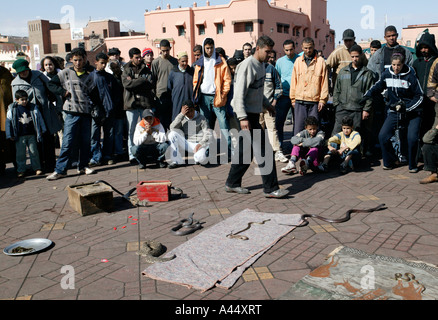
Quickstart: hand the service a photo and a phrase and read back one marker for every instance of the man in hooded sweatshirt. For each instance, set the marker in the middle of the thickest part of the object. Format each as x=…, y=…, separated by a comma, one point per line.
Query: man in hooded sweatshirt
x=427, y=53
x=211, y=83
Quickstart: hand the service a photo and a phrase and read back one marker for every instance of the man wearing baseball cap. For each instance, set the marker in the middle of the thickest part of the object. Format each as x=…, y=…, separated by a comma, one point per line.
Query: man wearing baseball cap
x=150, y=141
x=340, y=58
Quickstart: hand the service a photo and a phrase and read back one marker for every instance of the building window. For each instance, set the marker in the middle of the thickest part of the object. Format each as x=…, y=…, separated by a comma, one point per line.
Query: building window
x=201, y=29
x=286, y=29
x=181, y=31
x=219, y=28
x=68, y=47
x=164, y=29
x=279, y=28
x=249, y=27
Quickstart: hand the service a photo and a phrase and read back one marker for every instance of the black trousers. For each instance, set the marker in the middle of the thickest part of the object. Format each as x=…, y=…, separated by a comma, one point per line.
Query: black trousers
x=47, y=152
x=430, y=156
x=254, y=143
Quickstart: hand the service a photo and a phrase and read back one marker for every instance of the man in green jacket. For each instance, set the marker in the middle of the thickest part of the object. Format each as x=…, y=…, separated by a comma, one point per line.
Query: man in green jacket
x=352, y=83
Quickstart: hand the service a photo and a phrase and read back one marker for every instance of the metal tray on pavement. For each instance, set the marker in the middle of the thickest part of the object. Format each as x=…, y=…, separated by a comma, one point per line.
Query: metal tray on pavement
x=30, y=246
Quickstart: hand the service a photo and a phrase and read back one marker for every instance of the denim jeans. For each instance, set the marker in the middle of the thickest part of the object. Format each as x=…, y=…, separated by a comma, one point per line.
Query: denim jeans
x=119, y=132
x=156, y=152
x=133, y=116
x=31, y=143
x=77, y=131
x=102, y=150
x=409, y=137
x=211, y=113
x=284, y=105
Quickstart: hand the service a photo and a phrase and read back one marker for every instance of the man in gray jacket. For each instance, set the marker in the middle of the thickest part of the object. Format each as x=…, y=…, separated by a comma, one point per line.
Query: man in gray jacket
x=248, y=104
x=381, y=60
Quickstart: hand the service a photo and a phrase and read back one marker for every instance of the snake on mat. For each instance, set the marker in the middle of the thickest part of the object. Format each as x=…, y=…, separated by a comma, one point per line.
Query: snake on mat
x=245, y=238
x=305, y=218
x=152, y=250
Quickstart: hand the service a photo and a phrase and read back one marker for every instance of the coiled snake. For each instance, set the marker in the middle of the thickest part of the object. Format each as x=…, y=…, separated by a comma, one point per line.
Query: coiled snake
x=152, y=250
x=306, y=222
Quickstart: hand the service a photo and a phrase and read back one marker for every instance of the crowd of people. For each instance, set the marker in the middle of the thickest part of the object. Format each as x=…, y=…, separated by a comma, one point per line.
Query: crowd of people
x=155, y=110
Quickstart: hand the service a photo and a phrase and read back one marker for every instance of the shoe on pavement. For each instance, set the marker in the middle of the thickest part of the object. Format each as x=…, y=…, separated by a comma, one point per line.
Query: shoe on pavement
x=290, y=168
x=39, y=173
x=279, y=194
x=415, y=170
x=430, y=179
x=323, y=167
x=238, y=190
x=21, y=174
x=173, y=165
x=280, y=157
x=302, y=166
x=56, y=176
x=86, y=171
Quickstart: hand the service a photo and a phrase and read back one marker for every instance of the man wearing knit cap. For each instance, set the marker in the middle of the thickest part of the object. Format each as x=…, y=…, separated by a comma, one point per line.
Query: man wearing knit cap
x=148, y=56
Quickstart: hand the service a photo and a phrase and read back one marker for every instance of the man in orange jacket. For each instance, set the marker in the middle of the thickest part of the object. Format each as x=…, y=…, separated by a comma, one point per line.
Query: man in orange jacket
x=309, y=90
x=211, y=83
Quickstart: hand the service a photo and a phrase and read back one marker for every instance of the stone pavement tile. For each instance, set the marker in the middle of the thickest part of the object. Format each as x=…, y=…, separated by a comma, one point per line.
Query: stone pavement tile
x=102, y=289
x=173, y=290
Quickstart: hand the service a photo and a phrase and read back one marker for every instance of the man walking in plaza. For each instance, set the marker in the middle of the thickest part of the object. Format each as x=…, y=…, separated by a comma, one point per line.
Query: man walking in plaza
x=248, y=103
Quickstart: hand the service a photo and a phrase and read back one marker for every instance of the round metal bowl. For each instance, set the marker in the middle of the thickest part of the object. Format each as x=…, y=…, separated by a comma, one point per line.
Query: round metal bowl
x=36, y=245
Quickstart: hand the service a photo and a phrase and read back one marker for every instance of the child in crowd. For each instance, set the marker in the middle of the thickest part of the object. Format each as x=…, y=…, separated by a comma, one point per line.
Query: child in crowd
x=25, y=126
x=346, y=144
x=307, y=148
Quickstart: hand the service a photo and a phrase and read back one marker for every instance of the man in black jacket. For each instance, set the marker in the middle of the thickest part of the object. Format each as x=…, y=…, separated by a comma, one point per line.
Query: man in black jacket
x=139, y=83
x=427, y=52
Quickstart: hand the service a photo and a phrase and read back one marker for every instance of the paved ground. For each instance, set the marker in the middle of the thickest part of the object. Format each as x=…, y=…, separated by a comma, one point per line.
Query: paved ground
x=36, y=208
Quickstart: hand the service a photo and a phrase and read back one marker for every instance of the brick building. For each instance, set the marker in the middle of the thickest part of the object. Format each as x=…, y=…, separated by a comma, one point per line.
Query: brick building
x=47, y=38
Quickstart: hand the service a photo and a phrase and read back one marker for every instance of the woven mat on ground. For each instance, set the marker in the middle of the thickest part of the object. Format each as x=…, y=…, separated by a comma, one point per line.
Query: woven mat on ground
x=211, y=259
x=351, y=274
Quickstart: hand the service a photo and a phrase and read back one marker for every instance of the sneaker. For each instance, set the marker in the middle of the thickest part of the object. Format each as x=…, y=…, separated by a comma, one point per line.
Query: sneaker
x=323, y=167
x=280, y=157
x=173, y=165
x=279, y=194
x=416, y=170
x=141, y=167
x=94, y=163
x=21, y=174
x=303, y=166
x=55, y=176
x=290, y=168
x=86, y=171
x=38, y=173
x=111, y=162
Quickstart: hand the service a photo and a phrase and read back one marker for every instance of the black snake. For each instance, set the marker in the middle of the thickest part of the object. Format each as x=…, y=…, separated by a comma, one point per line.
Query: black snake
x=305, y=218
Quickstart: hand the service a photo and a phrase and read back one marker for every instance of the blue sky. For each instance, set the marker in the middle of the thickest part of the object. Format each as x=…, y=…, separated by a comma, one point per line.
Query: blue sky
x=342, y=14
